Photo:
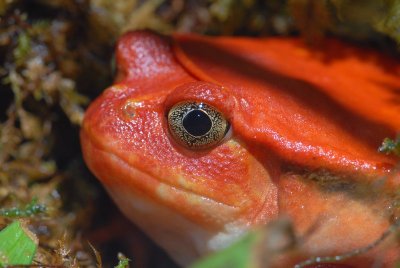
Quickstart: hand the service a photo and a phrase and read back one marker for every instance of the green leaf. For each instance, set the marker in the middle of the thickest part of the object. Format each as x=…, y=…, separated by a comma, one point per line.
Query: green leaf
x=123, y=261
x=239, y=255
x=18, y=245
x=262, y=247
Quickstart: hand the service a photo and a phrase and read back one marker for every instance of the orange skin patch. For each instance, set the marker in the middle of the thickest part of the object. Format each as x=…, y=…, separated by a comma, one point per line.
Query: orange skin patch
x=293, y=111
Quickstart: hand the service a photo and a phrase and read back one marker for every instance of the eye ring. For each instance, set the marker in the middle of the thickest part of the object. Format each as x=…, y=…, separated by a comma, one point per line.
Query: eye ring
x=197, y=125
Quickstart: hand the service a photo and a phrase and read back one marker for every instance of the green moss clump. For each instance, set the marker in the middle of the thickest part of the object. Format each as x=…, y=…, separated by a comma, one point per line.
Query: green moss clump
x=390, y=146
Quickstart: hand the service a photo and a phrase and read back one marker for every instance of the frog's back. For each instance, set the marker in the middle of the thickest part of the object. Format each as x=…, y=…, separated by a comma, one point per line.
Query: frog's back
x=325, y=107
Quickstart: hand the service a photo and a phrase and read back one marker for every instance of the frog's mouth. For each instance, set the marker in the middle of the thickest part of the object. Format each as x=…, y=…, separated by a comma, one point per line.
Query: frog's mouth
x=115, y=172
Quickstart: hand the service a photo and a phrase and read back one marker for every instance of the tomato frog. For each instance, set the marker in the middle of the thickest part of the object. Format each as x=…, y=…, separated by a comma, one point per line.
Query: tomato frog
x=201, y=139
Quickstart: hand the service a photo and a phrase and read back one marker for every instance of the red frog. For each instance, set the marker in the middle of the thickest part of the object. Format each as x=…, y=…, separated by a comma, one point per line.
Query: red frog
x=201, y=139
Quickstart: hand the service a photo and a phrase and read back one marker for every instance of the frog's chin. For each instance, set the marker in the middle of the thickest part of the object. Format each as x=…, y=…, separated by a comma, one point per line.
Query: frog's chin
x=184, y=240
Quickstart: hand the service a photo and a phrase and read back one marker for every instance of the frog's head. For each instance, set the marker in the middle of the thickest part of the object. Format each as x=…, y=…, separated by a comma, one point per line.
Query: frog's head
x=195, y=161
x=197, y=197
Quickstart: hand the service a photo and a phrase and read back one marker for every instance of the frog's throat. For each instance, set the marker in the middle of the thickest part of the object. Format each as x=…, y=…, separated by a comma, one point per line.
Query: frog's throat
x=184, y=240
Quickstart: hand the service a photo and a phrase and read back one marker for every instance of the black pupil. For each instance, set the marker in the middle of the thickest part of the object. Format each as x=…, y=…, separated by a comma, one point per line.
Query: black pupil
x=197, y=123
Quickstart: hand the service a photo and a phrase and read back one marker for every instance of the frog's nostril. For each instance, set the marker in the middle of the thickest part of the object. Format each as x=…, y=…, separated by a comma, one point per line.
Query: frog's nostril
x=129, y=109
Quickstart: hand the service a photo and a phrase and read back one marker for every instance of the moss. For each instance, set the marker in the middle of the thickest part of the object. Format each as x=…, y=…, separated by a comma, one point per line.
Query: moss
x=390, y=146
x=31, y=209
x=23, y=48
x=355, y=20
x=389, y=23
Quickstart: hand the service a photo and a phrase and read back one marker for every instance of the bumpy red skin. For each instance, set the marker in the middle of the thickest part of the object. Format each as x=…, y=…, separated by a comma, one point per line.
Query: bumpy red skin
x=291, y=108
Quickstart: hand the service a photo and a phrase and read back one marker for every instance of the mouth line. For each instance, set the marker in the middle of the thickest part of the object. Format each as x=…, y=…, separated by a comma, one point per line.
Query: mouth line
x=118, y=160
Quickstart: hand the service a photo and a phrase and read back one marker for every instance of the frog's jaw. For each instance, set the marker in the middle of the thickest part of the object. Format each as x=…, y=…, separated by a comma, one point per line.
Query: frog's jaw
x=184, y=239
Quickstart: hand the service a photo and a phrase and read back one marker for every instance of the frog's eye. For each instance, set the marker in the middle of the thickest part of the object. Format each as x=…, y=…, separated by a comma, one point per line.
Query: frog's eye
x=197, y=125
